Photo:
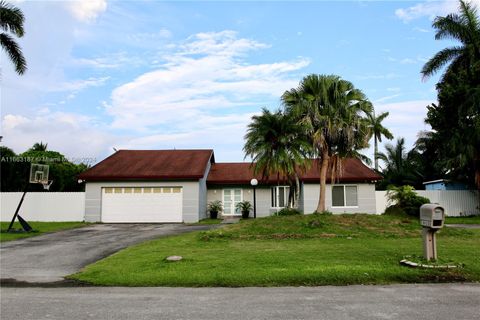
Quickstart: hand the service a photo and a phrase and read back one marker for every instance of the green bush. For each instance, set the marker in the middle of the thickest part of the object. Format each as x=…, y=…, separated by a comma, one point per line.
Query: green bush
x=287, y=212
x=405, y=198
x=324, y=212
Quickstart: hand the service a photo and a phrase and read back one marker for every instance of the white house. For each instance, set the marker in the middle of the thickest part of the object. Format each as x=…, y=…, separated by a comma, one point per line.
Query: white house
x=176, y=185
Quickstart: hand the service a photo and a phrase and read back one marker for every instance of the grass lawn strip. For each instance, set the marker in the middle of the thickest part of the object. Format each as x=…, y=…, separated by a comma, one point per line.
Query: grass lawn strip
x=463, y=220
x=364, y=249
x=38, y=227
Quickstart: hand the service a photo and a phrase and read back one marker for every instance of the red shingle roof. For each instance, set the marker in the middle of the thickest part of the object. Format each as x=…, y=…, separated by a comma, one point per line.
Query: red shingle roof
x=150, y=165
x=241, y=173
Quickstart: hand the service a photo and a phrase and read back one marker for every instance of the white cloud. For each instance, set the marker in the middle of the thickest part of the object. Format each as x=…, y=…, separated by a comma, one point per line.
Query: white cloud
x=429, y=9
x=87, y=10
x=383, y=99
x=224, y=43
x=406, y=118
x=149, y=36
x=78, y=85
x=73, y=134
x=421, y=30
x=206, y=76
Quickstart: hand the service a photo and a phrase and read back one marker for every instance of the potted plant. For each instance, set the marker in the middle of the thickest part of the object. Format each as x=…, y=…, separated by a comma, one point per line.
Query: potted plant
x=214, y=208
x=245, y=208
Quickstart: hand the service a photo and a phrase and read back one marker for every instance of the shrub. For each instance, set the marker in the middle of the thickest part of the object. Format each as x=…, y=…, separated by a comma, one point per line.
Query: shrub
x=214, y=208
x=405, y=198
x=287, y=212
x=245, y=207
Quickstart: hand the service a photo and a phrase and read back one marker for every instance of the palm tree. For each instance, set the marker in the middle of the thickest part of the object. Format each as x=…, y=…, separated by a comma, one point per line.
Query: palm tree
x=39, y=146
x=277, y=146
x=398, y=169
x=377, y=130
x=11, y=21
x=330, y=110
x=464, y=27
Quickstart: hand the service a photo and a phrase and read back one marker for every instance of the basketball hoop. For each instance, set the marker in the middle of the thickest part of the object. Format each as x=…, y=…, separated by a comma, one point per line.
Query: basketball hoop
x=38, y=174
x=46, y=185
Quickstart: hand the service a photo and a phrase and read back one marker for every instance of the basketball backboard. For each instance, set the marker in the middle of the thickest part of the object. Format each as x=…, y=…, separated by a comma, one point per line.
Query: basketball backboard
x=39, y=173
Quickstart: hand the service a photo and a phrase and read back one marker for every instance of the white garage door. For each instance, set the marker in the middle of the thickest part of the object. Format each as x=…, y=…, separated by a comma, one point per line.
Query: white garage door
x=142, y=204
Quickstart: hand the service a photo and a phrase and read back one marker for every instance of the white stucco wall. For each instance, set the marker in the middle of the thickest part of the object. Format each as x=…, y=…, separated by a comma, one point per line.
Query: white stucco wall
x=366, y=199
x=190, y=202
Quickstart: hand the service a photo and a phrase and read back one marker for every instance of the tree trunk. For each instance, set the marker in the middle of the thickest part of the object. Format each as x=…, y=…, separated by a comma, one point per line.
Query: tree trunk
x=297, y=192
x=375, y=143
x=323, y=182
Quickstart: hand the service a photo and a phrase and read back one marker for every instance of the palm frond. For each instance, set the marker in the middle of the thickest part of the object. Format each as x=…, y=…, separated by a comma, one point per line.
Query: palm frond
x=14, y=52
x=11, y=19
x=439, y=60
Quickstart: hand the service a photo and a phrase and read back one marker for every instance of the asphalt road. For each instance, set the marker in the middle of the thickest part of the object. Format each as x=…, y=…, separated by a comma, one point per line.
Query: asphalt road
x=438, y=301
x=50, y=257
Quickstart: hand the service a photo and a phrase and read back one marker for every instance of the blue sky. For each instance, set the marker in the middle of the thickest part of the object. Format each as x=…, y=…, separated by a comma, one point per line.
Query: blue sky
x=162, y=75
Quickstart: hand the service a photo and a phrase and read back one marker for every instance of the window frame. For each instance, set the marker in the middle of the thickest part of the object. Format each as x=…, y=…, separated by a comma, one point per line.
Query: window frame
x=286, y=191
x=233, y=201
x=345, y=196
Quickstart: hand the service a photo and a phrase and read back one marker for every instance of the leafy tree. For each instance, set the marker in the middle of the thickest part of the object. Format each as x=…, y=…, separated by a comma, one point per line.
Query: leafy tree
x=455, y=120
x=377, y=130
x=11, y=21
x=277, y=145
x=15, y=169
x=426, y=158
x=331, y=111
x=12, y=172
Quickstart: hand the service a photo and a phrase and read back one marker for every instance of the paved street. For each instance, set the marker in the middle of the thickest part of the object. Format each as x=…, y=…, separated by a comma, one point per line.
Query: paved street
x=436, y=301
x=51, y=257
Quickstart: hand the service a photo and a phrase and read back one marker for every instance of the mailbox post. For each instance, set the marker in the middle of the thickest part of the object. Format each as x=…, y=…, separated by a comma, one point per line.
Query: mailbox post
x=432, y=217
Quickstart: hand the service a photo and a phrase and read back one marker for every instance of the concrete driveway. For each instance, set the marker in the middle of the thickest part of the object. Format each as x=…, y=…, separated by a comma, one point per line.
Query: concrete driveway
x=49, y=258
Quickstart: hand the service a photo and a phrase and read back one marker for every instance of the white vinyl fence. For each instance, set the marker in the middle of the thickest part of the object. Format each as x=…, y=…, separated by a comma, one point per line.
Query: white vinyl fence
x=44, y=206
x=456, y=202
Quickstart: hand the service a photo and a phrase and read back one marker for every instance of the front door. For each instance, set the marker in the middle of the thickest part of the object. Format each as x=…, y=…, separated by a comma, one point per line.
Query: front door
x=230, y=199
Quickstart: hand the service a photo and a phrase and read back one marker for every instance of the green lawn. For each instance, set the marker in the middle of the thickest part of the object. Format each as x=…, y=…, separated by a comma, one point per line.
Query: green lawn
x=463, y=220
x=295, y=250
x=38, y=227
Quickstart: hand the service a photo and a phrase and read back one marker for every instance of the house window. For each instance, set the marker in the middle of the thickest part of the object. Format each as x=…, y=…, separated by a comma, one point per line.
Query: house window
x=280, y=196
x=230, y=199
x=344, y=196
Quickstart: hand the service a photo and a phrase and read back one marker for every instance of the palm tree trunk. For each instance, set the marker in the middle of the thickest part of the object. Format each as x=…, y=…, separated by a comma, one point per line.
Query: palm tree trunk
x=323, y=182
x=375, y=143
x=297, y=191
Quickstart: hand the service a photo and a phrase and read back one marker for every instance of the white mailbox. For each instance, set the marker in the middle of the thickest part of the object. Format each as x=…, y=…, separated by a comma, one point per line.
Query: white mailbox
x=432, y=216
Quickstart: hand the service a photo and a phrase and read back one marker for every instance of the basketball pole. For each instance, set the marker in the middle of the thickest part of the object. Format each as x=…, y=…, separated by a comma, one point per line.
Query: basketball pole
x=18, y=209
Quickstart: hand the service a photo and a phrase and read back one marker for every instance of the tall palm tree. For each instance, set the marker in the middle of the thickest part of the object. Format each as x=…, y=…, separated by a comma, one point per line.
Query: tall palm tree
x=39, y=146
x=331, y=112
x=277, y=146
x=398, y=170
x=464, y=27
x=11, y=21
x=377, y=130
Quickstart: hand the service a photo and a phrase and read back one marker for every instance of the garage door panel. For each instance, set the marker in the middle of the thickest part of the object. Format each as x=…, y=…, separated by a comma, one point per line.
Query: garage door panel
x=142, y=204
